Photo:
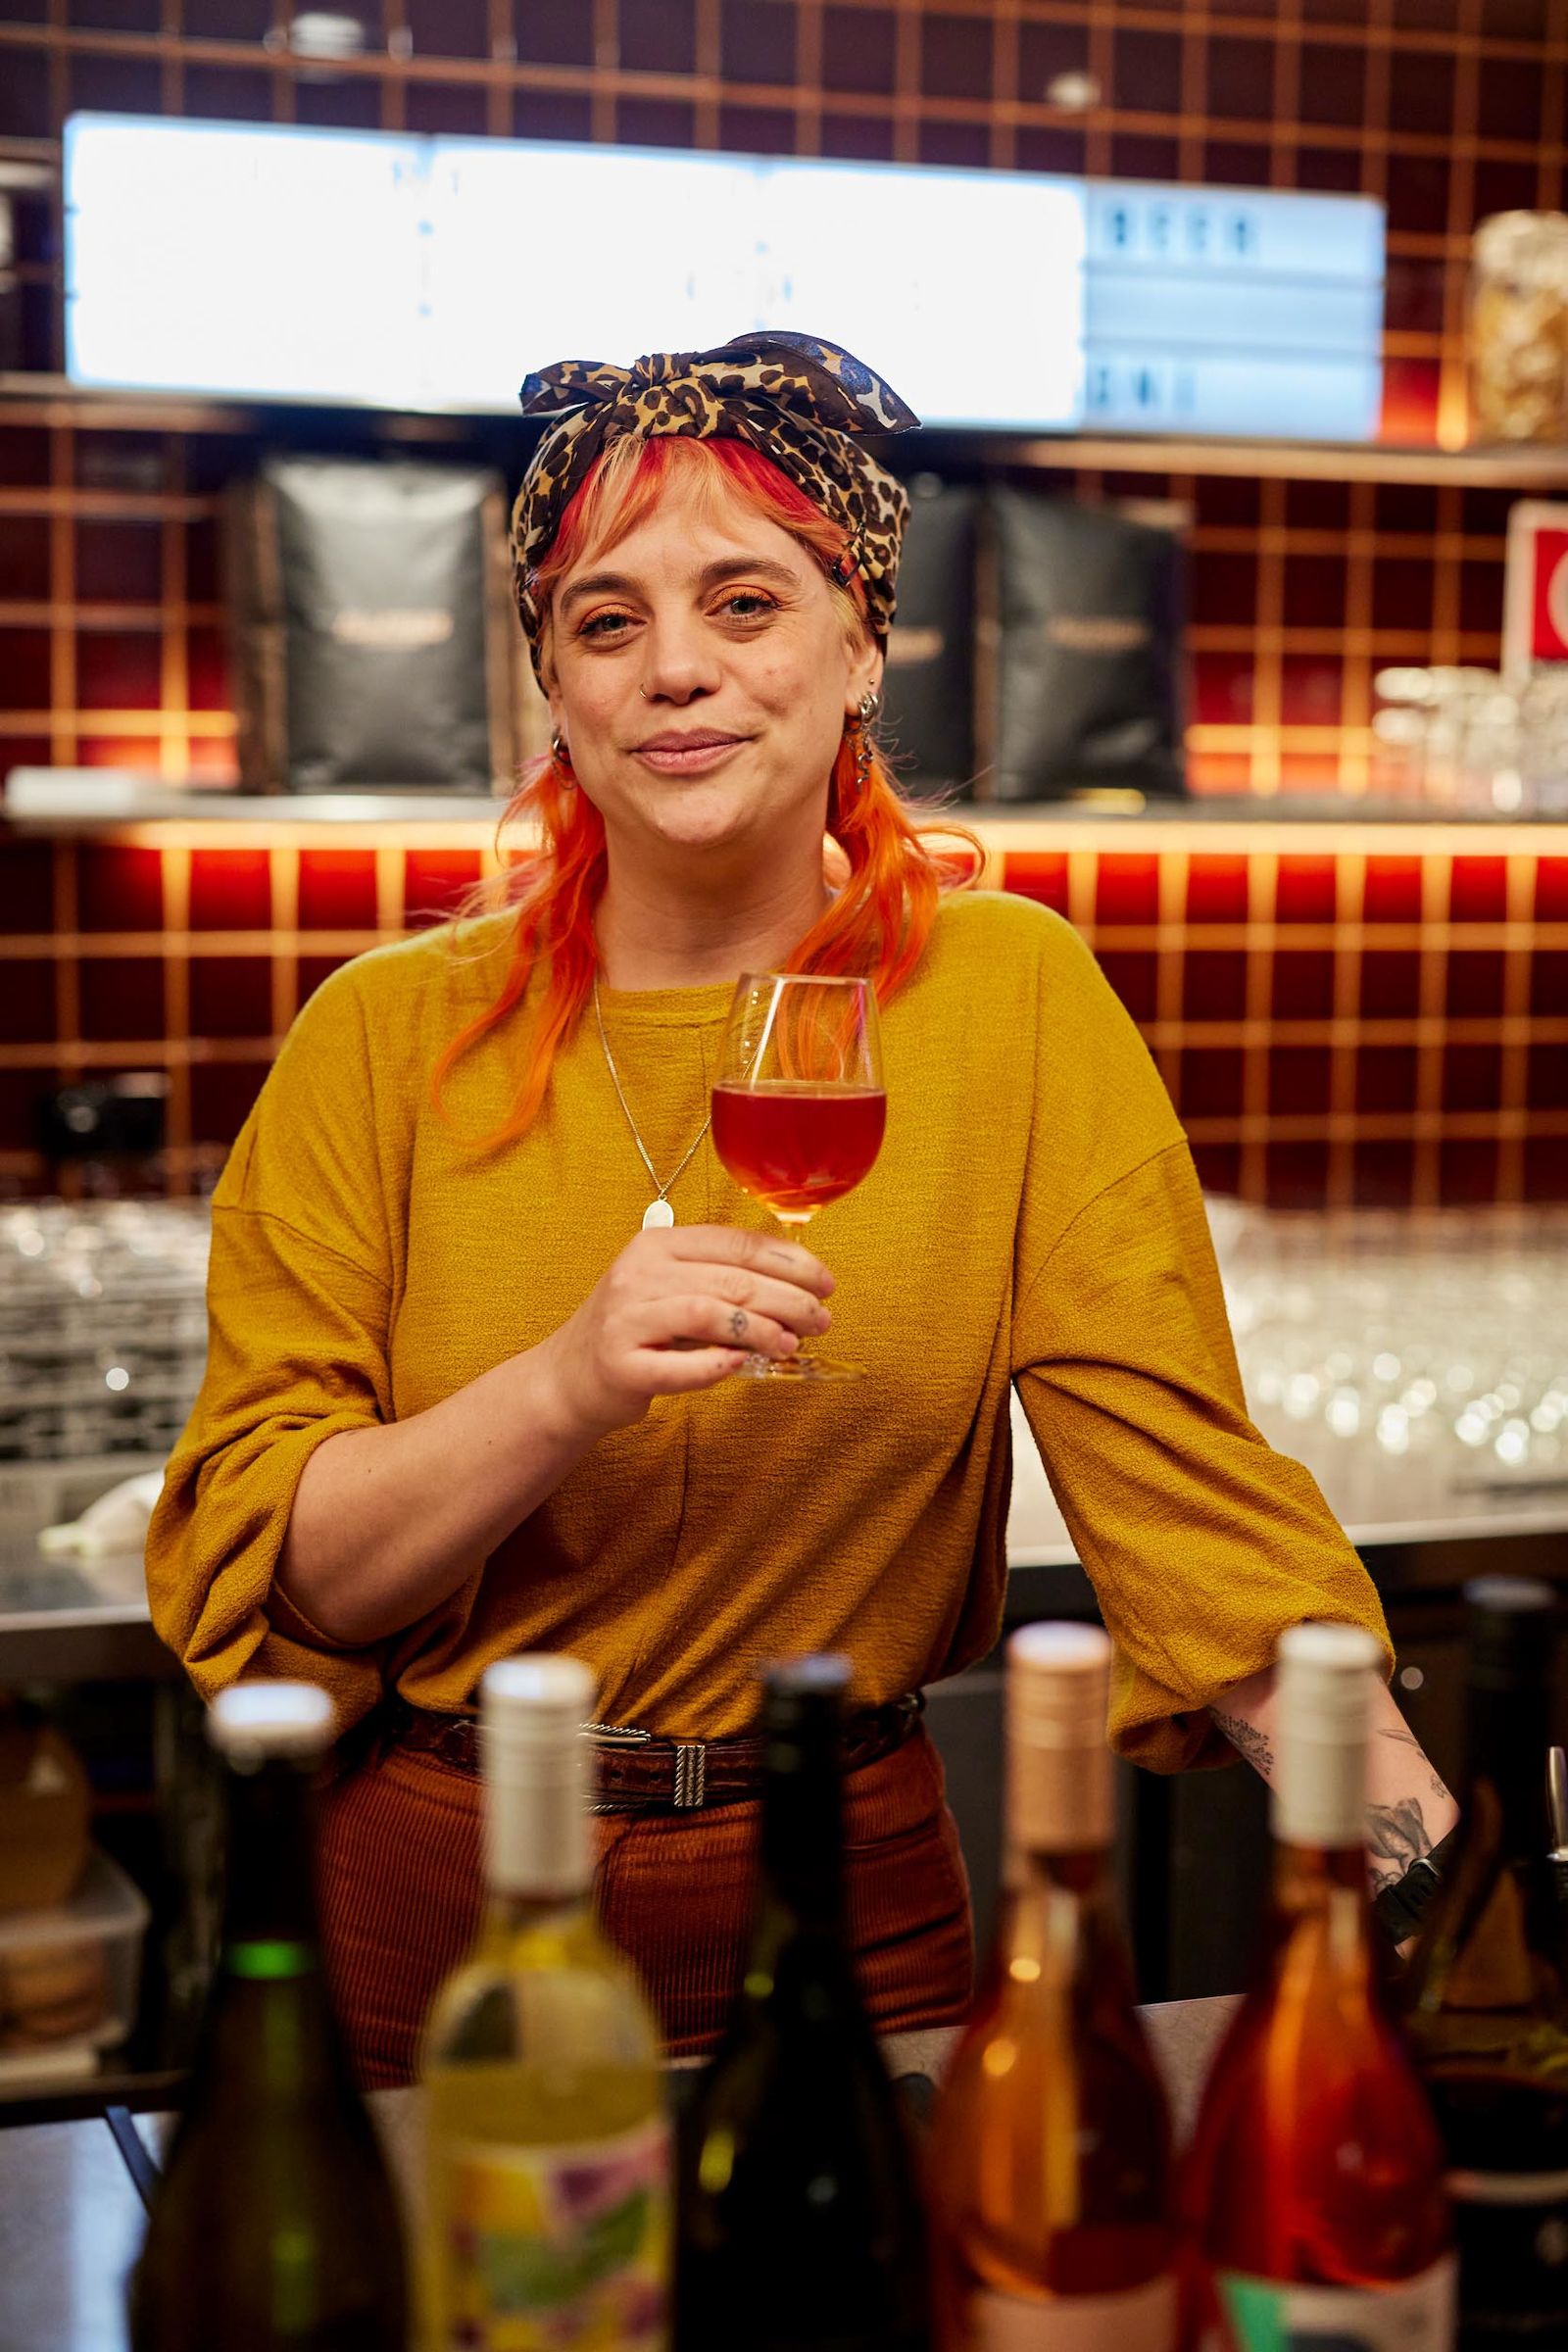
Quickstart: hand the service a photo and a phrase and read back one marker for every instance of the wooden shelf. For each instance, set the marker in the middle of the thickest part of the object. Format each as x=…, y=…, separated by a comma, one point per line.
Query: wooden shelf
x=50, y=400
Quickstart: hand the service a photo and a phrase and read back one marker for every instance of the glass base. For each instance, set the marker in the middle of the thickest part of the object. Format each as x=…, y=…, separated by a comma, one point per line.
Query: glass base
x=801, y=1371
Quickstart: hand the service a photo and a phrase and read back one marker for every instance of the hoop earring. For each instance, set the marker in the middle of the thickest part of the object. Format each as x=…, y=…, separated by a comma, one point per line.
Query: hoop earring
x=563, y=759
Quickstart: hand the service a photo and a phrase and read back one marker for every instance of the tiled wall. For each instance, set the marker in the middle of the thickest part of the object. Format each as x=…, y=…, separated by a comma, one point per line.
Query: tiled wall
x=111, y=637
x=1335, y=1023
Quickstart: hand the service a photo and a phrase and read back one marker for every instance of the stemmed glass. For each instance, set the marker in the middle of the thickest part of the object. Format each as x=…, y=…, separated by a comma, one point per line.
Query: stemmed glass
x=799, y=1109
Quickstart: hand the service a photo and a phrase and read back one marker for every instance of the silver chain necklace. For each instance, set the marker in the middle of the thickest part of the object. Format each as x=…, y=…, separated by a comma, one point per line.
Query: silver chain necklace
x=658, y=1211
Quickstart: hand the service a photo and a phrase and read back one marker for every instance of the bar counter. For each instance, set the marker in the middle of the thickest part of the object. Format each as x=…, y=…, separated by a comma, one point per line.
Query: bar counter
x=71, y=2218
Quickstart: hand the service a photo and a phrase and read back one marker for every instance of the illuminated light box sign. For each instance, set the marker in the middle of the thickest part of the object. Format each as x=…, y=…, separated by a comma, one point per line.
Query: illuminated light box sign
x=435, y=273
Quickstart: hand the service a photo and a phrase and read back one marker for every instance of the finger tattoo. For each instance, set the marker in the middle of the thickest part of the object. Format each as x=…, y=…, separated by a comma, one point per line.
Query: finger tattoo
x=737, y=1325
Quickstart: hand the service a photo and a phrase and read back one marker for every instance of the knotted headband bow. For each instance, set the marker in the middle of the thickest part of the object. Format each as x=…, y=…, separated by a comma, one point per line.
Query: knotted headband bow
x=805, y=404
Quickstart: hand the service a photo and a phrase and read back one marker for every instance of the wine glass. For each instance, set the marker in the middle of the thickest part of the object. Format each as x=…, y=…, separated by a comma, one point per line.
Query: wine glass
x=799, y=1109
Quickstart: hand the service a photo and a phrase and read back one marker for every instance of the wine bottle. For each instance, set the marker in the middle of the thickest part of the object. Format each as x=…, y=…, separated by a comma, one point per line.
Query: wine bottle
x=799, y=2222
x=1049, y=2165
x=1315, y=2182
x=547, y=2144
x=1486, y=1997
x=276, y=2226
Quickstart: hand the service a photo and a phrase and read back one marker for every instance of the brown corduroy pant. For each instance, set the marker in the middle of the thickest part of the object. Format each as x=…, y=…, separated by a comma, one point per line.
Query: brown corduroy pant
x=401, y=1895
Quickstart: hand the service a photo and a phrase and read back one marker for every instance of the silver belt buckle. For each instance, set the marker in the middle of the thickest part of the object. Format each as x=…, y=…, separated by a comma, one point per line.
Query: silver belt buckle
x=616, y=1735
x=690, y=1774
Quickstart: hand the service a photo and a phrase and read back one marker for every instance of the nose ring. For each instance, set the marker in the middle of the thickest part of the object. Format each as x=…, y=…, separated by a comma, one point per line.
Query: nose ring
x=642, y=691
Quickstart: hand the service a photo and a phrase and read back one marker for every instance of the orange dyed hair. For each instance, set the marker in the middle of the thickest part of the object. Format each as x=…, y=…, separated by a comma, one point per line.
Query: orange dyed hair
x=881, y=918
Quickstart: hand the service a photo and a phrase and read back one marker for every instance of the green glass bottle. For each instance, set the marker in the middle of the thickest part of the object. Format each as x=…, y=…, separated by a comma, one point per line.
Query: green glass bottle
x=1486, y=1997
x=799, y=2224
x=275, y=2226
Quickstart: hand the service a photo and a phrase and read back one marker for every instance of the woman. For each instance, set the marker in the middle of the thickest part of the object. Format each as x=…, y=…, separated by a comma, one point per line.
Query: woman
x=462, y=1399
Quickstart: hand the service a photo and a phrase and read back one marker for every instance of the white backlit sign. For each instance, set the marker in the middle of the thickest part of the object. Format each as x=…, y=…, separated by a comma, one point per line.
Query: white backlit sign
x=434, y=272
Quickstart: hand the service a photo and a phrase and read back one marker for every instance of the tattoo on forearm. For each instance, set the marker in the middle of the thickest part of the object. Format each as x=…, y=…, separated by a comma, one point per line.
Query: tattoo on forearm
x=1247, y=1740
x=1395, y=1836
x=1409, y=1739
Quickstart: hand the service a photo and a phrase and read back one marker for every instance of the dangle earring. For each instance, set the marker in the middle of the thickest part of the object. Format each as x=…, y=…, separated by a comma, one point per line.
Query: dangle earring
x=870, y=704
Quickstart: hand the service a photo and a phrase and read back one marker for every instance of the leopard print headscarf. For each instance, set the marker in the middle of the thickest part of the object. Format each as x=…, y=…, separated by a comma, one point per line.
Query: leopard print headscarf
x=802, y=403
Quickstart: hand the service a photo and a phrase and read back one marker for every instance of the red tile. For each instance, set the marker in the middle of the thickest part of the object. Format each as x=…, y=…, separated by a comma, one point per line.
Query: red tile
x=1314, y=592
x=1145, y=73
x=25, y=673
x=27, y=1001
x=1127, y=889
x=657, y=36
x=1393, y=891
x=1295, y=1175
x=1390, y=984
x=207, y=678
x=1383, y=1174
x=337, y=890
x=231, y=996
x=122, y=997
x=860, y=47
x=120, y=888
x=1223, y=587
x=231, y=890
x=20, y=1091
x=119, y=669
x=1548, y=983
x=1467, y=1170
x=1385, y=1079
x=1040, y=874
x=1216, y=890
x=1551, y=890
x=1547, y=1078
x=1546, y=1169
x=1220, y=1168
x=26, y=886
x=1312, y=690
x=1222, y=689
x=312, y=970
x=1213, y=984
x=221, y=1096
x=1298, y=1081
x=1474, y=986
x=1209, y=1082
x=1136, y=979
x=955, y=55
x=1304, y=984
x=119, y=563
x=1307, y=890
x=434, y=883
x=1333, y=85
x=1472, y=1077
x=1477, y=892
x=1411, y=388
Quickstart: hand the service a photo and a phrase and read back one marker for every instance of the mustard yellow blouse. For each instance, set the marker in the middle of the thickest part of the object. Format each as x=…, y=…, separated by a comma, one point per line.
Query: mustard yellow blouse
x=1033, y=1218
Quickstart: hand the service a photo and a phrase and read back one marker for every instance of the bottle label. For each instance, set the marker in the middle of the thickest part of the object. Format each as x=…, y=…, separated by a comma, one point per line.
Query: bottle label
x=1136, y=2319
x=557, y=2249
x=1416, y=2316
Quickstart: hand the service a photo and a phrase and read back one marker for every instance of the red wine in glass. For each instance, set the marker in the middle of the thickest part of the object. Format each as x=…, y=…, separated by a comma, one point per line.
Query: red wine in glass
x=798, y=1146
x=799, y=1107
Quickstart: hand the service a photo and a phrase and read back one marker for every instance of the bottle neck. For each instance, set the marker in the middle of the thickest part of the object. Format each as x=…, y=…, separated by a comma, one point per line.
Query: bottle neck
x=1321, y=1891
x=537, y=1857
x=800, y=1862
x=1508, y=1737
x=271, y=1929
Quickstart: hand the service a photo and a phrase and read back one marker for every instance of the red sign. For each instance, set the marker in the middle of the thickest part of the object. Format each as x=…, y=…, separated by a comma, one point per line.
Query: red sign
x=1536, y=602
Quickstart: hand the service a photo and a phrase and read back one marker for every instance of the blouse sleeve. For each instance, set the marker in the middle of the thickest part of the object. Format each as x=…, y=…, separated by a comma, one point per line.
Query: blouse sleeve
x=1203, y=1543
x=298, y=1300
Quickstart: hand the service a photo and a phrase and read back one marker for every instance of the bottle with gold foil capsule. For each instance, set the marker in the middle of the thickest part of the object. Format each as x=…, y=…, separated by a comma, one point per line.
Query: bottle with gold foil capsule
x=1314, y=2183
x=1049, y=2166
x=547, y=2145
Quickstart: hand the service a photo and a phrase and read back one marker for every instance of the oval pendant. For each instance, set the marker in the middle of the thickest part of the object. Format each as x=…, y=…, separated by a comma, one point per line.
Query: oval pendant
x=658, y=1212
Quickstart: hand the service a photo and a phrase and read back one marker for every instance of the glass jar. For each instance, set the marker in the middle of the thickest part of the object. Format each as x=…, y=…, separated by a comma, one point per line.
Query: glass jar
x=1519, y=327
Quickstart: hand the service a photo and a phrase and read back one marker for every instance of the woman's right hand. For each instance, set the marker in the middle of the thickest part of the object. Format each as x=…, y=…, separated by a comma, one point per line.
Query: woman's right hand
x=682, y=1307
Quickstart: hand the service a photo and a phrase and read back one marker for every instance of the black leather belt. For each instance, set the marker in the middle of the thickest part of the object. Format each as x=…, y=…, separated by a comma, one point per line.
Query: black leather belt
x=636, y=1772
